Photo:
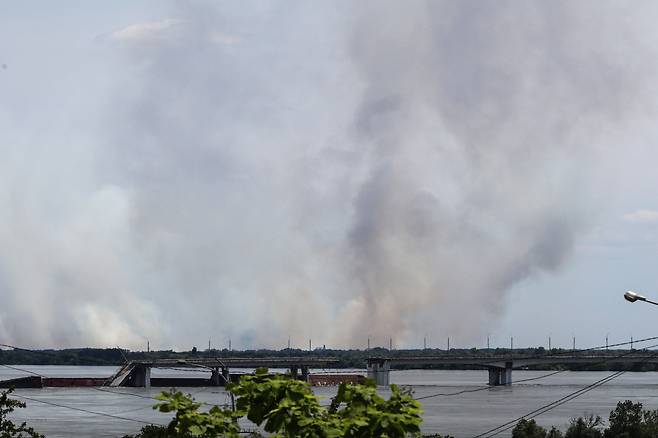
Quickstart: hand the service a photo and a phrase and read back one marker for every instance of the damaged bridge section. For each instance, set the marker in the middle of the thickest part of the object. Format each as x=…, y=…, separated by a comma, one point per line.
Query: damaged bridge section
x=138, y=373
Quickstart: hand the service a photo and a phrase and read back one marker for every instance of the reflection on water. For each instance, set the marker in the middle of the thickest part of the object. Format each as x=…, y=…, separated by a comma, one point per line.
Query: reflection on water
x=462, y=415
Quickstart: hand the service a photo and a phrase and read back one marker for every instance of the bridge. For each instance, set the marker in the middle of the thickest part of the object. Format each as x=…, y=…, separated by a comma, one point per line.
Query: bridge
x=138, y=372
x=500, y=367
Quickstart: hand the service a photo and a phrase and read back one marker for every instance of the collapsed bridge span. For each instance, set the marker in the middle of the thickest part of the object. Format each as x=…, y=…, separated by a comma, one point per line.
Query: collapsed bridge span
x=138, y=372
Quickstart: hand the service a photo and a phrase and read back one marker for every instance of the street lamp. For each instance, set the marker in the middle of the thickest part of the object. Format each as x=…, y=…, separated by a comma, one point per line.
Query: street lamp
x=632, y=297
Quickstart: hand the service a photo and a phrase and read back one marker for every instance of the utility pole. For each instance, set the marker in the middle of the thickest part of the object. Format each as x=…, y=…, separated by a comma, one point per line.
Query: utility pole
x=448, y=344
x=229, y=345
x=487, y=342
x=511, y=343
x=309, y=345
x=424, y=342
x=574, y=343
x=631, y=342
x=208, y=344
x=606, y=342
x=148, y=346
x=288, y=342
x=390, y=344
x=368, y=343
x=549, y=343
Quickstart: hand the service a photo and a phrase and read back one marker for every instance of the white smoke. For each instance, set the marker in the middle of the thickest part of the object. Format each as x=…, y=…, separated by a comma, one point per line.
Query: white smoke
x=331, y=171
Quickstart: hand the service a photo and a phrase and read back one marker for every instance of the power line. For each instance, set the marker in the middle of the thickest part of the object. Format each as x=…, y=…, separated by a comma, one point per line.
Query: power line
x=129, y=411
x=188, y=370
x=485, y=360
x=132, y=394
x=550, y=406
x=482, y=388
x=129, y=394
x=508, y=425
x=419, y=398
x=601, y=347
x=103, y=414
x=530, y=379
x=448, y=394
x=21, y=369
x=81, y=409
x=153, y=398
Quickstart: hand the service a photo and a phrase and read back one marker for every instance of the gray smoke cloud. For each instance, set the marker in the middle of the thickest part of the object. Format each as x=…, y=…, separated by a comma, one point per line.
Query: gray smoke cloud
x=330, y=171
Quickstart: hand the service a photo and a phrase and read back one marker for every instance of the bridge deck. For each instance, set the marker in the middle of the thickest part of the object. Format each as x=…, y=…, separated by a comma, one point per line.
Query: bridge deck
x=240, y=362
x=518, y=361
x=137, y=372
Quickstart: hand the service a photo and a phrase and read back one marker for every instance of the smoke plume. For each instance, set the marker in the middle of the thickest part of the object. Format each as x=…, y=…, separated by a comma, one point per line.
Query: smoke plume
x=331, y=171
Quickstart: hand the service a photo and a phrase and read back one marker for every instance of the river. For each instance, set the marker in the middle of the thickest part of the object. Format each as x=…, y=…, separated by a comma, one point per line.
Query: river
x=61, y=412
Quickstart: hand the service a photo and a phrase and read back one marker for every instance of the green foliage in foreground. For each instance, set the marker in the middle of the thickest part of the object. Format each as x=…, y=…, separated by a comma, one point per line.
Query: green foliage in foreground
x=9, y=429
x=286, y=407
x=628, y=420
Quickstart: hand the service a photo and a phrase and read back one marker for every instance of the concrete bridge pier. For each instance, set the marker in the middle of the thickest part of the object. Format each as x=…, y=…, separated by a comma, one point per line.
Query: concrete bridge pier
x=295, y=372
x=500, y=376
x=379, y=371
x=142, y=376
x=219, y=378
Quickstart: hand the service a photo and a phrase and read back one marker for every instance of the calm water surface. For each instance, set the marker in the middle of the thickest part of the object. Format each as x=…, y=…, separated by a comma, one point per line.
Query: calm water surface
x=463, y=415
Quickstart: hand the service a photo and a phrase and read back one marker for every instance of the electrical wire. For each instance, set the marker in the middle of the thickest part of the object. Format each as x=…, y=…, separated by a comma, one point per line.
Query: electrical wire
x=510, y=424
x=482, y=388
x=530, y=379
x=129, y=394
x=112, y=415
x=550, y=406
x=117, y=415
x=449, y=394
x=128, y=411
x=601, y=347
x=491, y=432
x=188, y=370
x=102, y=414
x=21, y=369
x=485, y=360
x=132, y=394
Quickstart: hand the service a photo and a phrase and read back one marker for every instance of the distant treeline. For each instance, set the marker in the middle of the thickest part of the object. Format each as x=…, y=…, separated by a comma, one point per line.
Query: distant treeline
x=346, y=358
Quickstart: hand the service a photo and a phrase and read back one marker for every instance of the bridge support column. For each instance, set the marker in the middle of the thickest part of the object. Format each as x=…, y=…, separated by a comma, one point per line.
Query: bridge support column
x=215, y=378
x=294, y=371
x=304, y=373
x=500, y=376
x=379, y=371
x=218, y=379
x=142, y=377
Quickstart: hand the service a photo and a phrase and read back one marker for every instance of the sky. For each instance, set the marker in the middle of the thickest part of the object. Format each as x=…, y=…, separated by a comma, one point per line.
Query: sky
x=185, y=172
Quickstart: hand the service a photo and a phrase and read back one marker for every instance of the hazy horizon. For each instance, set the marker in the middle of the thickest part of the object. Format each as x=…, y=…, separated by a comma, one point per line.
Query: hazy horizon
x=178, y=171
